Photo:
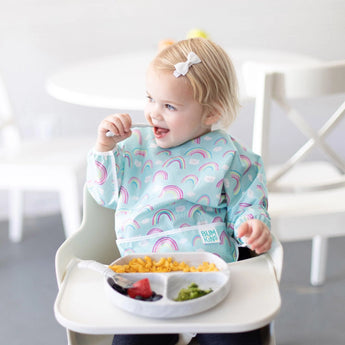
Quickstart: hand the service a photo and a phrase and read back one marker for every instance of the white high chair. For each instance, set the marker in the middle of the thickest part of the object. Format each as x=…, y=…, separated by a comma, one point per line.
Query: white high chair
x=300, y=188
x=95, y=240
x=47, y=165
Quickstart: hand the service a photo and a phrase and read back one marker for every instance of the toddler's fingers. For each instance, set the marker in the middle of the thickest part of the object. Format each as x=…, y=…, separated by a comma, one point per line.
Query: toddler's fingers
x=264, y=247
x=258, y=229
x=117, y=126
x=244, y=230
x=123, y=123
x=106, y=126
x=263, y=243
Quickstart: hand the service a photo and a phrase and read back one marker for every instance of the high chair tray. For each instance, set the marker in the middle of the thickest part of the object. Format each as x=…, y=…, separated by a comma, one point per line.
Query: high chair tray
x=169, y=284
x=254, y=300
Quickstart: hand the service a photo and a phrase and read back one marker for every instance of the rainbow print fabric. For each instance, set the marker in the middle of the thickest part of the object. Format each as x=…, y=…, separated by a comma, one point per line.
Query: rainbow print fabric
x=188, y=198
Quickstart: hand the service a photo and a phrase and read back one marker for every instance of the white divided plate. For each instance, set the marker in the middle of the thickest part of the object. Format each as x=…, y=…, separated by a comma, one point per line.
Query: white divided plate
x=169, y=284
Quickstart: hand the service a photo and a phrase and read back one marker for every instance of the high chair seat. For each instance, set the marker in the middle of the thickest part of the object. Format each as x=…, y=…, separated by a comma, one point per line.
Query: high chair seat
x=83, y=308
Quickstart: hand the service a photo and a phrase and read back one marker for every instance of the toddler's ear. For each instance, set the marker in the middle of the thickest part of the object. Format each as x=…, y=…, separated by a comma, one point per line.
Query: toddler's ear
x=211, y=118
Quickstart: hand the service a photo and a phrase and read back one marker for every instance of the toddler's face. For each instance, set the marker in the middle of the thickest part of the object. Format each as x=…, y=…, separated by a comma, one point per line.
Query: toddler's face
x=172, y=110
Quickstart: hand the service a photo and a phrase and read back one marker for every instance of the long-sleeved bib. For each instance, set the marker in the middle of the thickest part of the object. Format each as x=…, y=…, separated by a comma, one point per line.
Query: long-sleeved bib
x=191, y=197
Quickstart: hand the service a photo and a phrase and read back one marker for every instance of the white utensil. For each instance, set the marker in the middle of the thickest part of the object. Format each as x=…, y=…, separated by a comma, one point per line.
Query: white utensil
x=137, y=125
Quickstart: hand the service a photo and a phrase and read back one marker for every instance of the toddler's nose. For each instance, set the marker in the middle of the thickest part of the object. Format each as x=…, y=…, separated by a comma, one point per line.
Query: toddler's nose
x=156, y=114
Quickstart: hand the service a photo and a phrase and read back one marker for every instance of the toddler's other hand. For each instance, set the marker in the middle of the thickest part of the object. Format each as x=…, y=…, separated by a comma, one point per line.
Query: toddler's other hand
x=119, y=124
x=258, y=236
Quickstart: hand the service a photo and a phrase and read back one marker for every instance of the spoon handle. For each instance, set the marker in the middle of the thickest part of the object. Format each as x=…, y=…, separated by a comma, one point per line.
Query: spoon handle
x=137, y=125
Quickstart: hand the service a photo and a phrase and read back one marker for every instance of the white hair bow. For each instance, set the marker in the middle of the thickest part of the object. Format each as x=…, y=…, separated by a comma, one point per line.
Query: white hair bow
x=182, y=68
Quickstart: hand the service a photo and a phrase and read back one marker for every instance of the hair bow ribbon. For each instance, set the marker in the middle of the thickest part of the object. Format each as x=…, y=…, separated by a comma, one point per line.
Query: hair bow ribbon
x=182, y=68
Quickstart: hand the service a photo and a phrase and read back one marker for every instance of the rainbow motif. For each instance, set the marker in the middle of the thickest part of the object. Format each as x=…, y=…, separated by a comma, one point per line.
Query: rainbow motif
x=196, y=240
x=217, y=220
x=224, y=237
x=174, y=191
x=178, y=159
x=242, y=206
x=160, y=174
x=220, y=183
x=137, y=133
x=211, y=165
x=228, y=152
x=128, y=251
x=190, y=178
x=221, y=141
x=146, y=208
x=162, y=212
x=128, y=157
x=204, y=153
x=154, y=231
x=147, y=164
x=140, y=152
x=165, y=152
x=101, y=172
x=166, y=244
x=134, y=225
x=196, y=210
x=197, y=140
x=236, y=176
x=263, y=200
x=204, y=199
x=249, y=216
x=247, y=163
x=134, y=181
x=124, y=194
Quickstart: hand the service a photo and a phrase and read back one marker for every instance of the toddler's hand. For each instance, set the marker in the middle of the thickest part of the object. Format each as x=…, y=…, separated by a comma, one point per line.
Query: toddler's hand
x=258, y=236
x=119, y=124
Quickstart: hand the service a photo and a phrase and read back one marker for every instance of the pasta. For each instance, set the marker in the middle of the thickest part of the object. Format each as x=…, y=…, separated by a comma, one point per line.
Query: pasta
x=164, y=265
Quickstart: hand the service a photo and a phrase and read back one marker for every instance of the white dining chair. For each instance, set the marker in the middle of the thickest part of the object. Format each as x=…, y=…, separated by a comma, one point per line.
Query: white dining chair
x=46, y=165
x=301, y=186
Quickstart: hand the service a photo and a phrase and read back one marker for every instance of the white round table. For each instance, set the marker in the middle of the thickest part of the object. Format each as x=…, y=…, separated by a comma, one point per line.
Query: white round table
x=118, y=82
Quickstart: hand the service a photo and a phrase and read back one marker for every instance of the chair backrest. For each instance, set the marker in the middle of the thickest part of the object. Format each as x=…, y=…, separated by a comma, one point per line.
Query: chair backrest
x=9, y=132
x=283, y=85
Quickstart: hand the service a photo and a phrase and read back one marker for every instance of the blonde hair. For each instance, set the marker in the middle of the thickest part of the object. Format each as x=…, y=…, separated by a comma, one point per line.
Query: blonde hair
x=213, y=81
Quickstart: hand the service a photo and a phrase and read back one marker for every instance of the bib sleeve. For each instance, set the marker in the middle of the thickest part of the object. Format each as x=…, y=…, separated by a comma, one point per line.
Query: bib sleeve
x=246, y=193
x=104, y=175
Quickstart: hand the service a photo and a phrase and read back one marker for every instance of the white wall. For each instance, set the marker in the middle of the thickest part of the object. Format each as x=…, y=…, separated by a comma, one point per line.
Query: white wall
x=38, y=37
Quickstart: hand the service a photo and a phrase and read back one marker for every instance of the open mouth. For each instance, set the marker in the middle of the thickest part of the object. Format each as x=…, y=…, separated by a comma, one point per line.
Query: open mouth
x=160, y=132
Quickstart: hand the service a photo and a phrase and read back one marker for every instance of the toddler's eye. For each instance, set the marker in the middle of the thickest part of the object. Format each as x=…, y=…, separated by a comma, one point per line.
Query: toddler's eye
x=170, y=107
x=149, y=99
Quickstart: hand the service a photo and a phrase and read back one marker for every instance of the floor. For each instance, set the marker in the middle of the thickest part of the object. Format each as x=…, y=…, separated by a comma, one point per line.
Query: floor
x=309, y=315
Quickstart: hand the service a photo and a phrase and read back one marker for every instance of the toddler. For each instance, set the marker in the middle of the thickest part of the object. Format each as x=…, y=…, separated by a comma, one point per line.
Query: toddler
x=180, y=185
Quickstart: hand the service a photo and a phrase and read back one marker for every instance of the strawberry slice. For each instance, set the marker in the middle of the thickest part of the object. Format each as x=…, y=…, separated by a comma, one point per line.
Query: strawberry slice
x=140, y=288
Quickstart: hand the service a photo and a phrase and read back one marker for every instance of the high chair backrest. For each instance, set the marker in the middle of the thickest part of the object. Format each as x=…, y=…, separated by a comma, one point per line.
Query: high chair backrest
x=284, y=84
x=9, y=133
x=95, y=239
